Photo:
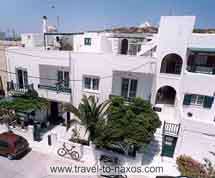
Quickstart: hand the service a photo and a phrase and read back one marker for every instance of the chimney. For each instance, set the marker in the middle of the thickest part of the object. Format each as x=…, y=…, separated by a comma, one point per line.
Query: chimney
x=45, y=26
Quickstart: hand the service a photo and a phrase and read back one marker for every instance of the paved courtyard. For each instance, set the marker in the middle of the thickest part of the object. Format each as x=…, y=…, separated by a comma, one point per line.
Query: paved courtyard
x=33, y=165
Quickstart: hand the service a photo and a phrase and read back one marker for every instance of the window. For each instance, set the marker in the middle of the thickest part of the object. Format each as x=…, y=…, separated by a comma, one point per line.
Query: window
x=22, y=78
x=197, y=99
x=200, y=100
x=129, y=88
x=87, y=41
x=169, y=141
x=63, y=78
x=3, y=144
x=91, y=83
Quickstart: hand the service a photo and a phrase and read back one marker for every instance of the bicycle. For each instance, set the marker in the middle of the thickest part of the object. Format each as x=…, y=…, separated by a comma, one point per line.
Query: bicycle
x=66, y=151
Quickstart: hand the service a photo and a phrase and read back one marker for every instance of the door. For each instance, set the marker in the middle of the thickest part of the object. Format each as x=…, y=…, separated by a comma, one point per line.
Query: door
x=54, y=112
x=169, y=144
x=22, y=78
x=124, y=46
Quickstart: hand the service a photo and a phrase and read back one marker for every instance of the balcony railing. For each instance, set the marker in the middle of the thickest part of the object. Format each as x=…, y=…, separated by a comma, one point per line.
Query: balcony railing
x=171, y=129
x=16, y=89
x=201, y=69
x=57, y=88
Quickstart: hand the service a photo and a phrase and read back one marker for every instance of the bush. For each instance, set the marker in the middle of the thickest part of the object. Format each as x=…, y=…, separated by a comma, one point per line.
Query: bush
x=191, y=168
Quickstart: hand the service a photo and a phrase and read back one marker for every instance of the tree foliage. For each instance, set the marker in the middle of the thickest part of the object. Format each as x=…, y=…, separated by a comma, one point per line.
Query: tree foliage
x=117, y=122
x=132, y=123
x=8, y=108
x=90, y=112
x=24, y=103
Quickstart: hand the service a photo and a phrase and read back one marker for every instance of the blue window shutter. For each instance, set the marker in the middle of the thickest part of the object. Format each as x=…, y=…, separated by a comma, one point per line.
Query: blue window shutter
x=187, y=99
x=208, y=101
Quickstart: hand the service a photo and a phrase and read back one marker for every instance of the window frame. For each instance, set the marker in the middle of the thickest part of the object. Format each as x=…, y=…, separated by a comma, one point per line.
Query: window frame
x=196, y=100
x=91, y=83
x=4, y=144
x=24, y=74
x=66, y=83
x=87, y=41
x=129, y=91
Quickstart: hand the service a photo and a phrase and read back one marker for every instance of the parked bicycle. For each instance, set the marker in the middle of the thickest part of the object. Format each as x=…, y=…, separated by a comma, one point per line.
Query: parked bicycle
x=68, y=151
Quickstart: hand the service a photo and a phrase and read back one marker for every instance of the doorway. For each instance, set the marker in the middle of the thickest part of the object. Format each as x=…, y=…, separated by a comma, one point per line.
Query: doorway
x=22, y=78
x=124, y=46
x=54, y=112
x=169, y=144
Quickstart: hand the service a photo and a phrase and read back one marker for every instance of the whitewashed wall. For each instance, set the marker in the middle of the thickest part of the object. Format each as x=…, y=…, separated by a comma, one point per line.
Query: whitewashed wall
x=173, y=37
x=197, y=140
x=79, y=64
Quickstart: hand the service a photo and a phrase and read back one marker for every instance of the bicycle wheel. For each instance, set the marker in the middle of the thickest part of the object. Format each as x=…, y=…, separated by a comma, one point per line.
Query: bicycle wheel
x=61, y=152
x=75, y=155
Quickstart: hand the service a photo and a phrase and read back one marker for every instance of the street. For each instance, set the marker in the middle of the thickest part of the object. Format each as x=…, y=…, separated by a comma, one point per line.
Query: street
x=33, y=165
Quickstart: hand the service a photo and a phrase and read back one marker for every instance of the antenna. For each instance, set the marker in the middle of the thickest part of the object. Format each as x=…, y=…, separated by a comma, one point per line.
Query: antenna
x=58, y=23
x=171, y=12
x=58, y=18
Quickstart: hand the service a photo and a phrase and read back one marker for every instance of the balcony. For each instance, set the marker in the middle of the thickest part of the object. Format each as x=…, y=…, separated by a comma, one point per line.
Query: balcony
x=201, y=61
x=16, y=89
x=56, y=88
x=201, y=69
x=171, y=129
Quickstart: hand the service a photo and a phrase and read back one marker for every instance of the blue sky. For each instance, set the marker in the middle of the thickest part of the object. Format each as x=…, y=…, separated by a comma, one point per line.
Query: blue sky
x=80, y=15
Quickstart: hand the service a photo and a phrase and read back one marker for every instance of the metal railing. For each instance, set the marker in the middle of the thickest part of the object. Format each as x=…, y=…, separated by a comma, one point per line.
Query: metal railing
x=57, y=88
x=15, y=88
x=201, y=69
x=171, y=129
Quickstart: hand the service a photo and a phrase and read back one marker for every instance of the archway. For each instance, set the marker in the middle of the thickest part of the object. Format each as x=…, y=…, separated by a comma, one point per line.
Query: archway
x=124, y=46
x=172, y=64
x=166, y=95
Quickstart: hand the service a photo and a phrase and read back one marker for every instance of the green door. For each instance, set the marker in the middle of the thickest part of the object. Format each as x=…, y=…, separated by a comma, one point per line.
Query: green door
x=168, y=146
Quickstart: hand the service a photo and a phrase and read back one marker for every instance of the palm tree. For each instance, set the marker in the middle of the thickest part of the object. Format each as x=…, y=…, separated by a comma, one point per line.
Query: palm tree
x=89, y=112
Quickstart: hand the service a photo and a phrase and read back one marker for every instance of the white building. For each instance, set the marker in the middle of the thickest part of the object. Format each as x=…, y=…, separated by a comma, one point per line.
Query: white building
x=173, y=69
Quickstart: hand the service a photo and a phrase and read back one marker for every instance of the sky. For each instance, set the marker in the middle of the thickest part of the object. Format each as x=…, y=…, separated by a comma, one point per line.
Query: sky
x=83, y=15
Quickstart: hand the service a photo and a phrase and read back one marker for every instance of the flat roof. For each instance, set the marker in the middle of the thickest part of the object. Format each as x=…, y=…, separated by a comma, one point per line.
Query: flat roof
x=55, y=33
